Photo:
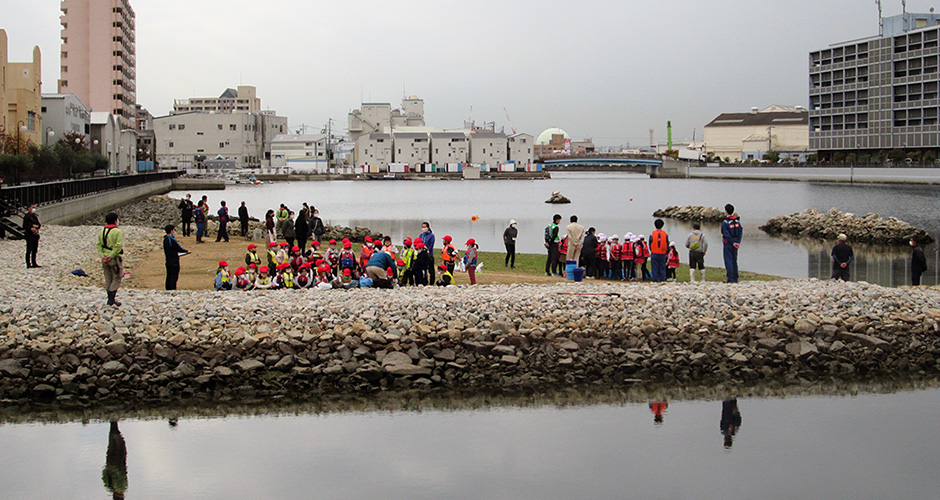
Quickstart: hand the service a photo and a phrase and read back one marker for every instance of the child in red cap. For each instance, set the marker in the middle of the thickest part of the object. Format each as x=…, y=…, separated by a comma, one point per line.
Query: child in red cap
x=422, y=263
x=470, y=260
x=223, y=279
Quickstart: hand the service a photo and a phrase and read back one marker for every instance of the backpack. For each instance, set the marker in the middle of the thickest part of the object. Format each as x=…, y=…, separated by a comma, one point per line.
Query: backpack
x=696, y=241
x=348, y=261
x=549, y=237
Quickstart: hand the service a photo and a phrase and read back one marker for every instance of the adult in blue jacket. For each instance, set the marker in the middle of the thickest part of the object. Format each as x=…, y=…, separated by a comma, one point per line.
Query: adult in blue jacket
x=377, y=269
x=731, y=239
x=427, y=236
x=172, y=251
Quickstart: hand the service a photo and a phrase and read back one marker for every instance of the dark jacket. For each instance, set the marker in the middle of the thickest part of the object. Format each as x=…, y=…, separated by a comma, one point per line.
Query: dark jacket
x=589, y=248
x=200, y=217
x=301, y=227
x=316, y=227
x=243, y=213
x=731, y=230
x=422, y=262
x=509, y=235
x=918, y=261
x=172, y=251
x=186, y=208
x=30, y=221
x=842, y=254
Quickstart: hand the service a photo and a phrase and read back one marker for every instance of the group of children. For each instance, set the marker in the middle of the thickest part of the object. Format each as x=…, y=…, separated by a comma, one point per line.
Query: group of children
x=628, y=260
x=286, y=267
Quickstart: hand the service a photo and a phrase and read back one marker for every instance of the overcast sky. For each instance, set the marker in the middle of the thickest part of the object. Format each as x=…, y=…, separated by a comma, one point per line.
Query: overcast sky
x=605, y=69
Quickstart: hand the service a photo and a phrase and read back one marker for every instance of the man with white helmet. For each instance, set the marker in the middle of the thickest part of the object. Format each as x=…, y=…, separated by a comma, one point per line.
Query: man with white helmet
x=626, y=256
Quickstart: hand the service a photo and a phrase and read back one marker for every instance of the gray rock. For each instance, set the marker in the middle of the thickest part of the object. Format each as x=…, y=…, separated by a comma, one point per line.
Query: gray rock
x=247, y=365
x=396, y=358
x=117, y=348
x=285, y=363
x=506, y=350
x=801, y=348
x=13, y=368
x=409, y=369
x=113, y=367
x=446, y=355
x=510, y=360
x=222, y=371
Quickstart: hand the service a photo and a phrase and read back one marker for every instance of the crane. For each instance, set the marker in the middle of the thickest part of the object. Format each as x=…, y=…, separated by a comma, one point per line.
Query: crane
x=510, y=121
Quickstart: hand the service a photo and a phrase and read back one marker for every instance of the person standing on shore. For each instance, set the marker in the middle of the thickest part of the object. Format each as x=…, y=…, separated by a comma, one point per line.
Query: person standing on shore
x=110, y=247
x=588, y=253
x=223, y=223
x=172, y=251
x=697, y=246
x=575, y=234
x=302, y=228
x=269, y=226
x=470, y=260
x=200, y=217
x=659, y=251
x=31, y=227
x=842, y=256
x=427, y=237
x=731, y=233
x=509, y=239
x=282, y=214
x=243, y=218
x=186, y=214
x=551, y=243
x=317, y=229
x=918, y=262
x=288, y=229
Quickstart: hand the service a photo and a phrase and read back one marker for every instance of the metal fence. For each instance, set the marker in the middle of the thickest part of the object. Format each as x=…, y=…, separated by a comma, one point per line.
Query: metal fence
x=18, y=197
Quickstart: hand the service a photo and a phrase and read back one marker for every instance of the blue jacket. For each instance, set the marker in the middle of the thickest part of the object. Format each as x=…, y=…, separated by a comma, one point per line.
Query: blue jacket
x=731, y=230
x=384, y=261
x=428, y=239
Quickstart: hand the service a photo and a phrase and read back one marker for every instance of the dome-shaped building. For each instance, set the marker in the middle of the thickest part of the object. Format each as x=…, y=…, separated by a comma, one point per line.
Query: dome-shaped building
x=545, y=138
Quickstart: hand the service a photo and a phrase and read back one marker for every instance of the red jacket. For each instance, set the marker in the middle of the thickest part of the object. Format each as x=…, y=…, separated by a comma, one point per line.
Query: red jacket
x=615, y=251
x=626, y=250
x=601, y=252
x=640, y=252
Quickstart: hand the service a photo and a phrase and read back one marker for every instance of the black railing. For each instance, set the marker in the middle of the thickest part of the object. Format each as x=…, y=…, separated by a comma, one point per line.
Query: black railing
x=15, y=198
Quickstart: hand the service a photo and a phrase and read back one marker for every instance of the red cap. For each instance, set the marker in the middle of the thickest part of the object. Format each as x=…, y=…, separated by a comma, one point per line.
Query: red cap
x=295, y=249
x=240, y=270
x=222, y=263
x=369, y=239
x=471, y=241
x=252, y=245
x=263, y=269
x=448, y=239
x=305, y=265
x=332, y=242
x=347, y=272
x=407, y=241
x=252, y=265
x=273, y=244
x=401, y=262
x=318, y=262
x=323, y=269
x=419, y=245
x=315, y=243
x=283, y=243
x=347, y=245
x=442, y=267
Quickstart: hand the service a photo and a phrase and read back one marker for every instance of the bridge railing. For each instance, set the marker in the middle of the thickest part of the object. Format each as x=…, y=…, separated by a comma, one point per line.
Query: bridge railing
x=16, y=198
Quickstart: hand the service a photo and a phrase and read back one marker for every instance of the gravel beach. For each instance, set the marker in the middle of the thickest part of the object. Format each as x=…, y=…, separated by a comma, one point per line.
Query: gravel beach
x=60, y=342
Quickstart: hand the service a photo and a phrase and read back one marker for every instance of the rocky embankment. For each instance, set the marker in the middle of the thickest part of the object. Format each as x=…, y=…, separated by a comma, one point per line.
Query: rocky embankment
x=60, y=342
x=691, y=213
x=158, y=211
x=557, y=199
x=871, y=228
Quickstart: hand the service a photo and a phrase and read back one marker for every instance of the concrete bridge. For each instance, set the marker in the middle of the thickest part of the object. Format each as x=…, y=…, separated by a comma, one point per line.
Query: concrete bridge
x=651, y=165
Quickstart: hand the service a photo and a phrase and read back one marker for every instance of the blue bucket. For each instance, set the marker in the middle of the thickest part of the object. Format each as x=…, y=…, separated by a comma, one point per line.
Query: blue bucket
x=579, y=274
x=570, y=266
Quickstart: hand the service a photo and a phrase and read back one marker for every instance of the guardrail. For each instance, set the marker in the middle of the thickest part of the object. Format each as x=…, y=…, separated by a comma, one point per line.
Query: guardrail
x=19, y=197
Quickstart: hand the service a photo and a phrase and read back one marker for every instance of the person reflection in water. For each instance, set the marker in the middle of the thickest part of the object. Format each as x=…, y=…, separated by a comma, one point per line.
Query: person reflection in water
x=114, y=474
x=659, y=409
x=730, y=420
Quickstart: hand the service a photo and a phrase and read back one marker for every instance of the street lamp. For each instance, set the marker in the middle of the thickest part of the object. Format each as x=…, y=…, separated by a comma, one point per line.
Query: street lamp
x=49, y=135
x=20, y=127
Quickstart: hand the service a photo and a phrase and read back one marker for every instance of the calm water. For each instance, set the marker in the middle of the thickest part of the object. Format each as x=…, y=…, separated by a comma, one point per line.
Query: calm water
x=614, y=204
x=862, y=447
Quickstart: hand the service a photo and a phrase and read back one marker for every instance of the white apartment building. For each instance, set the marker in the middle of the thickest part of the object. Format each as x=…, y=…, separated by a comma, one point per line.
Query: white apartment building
x=63, y=113
x=98, y=56
x=449, y=147
x=520, y=149
x=489, y=149
x=302, y=153
x=412, y=148
x=242, y=100
x=108, y=137
x=374, y=152
x=185, y=140
x=372, y=117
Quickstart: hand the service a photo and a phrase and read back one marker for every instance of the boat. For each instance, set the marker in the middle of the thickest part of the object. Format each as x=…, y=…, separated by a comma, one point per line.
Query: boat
x=386, y=177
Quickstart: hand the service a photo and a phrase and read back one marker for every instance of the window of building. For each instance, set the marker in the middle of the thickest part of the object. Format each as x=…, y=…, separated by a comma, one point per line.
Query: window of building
x=31, y=121
x=182, y=126
x=172, y=126
x=170, y=144
x=200, y=150
x=220, y=126
x=199, y=133
x=221, y=145
x=232, y=127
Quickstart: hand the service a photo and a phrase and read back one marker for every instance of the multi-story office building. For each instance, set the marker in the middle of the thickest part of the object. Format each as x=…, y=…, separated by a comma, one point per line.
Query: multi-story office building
x=381, y=118
x=242, y=100
x=878, y=93
x=186, y=139
x=749, y=136
x=20, y=95
x=98, y=56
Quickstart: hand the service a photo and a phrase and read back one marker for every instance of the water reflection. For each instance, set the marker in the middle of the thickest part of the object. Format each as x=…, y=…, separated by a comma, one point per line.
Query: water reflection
x=730, y=420
x=114, y=474
x=881, y=265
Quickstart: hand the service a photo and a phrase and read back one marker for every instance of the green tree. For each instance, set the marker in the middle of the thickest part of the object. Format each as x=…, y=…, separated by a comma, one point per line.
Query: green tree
x=45, y=163
x=15, y=166
x=838, y=157
x=772, y=156
x=812, y=158
x=851, y=158
x=930, y=157
x=896, y=155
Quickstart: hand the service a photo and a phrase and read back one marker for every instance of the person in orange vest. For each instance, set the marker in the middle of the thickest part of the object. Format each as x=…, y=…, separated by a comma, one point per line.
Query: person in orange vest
x=672, y=263
x=659, y=251
x=600, y=256
x=616, y=269
x=659, y=409
x=449, y=254
x=626, y=257
x=365, y=253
